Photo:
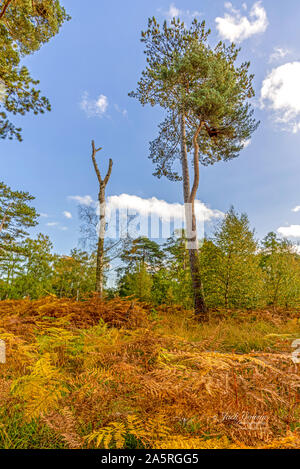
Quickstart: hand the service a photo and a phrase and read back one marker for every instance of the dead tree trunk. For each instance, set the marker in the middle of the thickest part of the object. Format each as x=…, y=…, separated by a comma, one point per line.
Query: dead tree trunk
x=102, y=220
x=189, y=200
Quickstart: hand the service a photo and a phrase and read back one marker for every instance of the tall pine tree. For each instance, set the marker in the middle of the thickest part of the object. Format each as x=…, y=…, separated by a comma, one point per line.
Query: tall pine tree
x=208, y=115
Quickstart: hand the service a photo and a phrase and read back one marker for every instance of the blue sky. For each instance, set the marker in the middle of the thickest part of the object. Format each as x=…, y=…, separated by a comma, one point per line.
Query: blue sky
x=87, y=72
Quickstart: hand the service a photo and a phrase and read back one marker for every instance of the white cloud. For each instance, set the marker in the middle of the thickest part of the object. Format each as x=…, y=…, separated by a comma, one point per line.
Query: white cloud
x=246, y=143
x=2, y=91
x=296, y=209
x=175, y=12
x=278, y=54
x=67, y=214
x=52, y=223
x=94, y=108
x=124, y=112
x=297, y=248
x=151, y=206
x=292, y=231
x=44, y=215
x=280, y=93
x=55, y=224
x=129, y=214
x=82, y=200
x=160, y=208
x=236, y=28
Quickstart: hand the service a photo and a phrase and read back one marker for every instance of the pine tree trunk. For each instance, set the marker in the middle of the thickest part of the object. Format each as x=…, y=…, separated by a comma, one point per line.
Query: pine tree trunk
x=184, y=162
x=191, y=226
x=199, y=301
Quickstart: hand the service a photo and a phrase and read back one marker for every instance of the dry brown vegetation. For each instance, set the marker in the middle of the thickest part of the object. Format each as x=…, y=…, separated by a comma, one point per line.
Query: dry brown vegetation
x=113, y=374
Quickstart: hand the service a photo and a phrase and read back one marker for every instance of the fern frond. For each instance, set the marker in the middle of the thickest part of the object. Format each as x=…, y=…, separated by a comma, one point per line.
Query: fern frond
x=41, y=390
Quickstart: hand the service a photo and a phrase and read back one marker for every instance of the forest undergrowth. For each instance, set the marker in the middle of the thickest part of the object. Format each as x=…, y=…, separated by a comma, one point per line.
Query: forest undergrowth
x=117, y=374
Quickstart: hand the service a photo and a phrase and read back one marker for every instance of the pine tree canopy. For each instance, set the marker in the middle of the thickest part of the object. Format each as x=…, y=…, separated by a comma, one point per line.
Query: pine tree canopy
x=185, y=76
x=25, y=25
x=16, y=215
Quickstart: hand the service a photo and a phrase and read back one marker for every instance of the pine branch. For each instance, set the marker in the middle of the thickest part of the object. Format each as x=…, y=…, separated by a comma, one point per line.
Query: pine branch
x=6, y=5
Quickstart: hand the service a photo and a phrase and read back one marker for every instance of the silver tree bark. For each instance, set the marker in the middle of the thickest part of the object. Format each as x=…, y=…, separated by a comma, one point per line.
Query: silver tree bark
x=102, y=219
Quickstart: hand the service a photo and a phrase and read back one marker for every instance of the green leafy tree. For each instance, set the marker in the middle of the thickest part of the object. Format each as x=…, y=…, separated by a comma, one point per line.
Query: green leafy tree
x=11, y=268
x=142, y=258
x=74, y=275
x=230, y=264
x=143, y=250
x=16, y=216
x=35, y=280
x=159, y=273
x=208, y=115
x=212, y=269
x=25, y=25
x=163, y=288
x=177, y=286
x=281, y=271
x=137, y=283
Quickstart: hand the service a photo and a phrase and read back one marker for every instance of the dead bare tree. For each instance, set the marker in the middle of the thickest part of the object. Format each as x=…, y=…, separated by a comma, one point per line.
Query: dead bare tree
x=102, y=220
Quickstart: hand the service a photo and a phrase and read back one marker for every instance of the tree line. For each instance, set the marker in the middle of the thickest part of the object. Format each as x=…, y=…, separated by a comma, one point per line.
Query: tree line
x=237, y=270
